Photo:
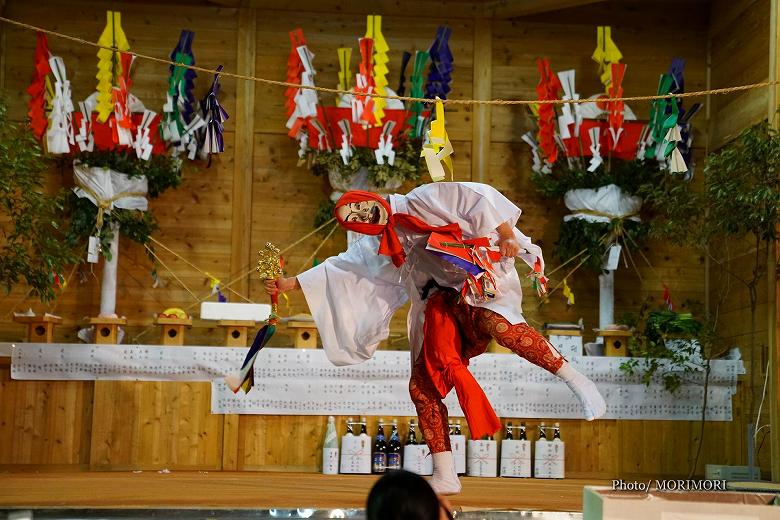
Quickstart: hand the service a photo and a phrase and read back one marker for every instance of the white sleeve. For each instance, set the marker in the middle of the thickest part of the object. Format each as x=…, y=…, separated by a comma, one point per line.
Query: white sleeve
x=478, y=208
x=352, y=298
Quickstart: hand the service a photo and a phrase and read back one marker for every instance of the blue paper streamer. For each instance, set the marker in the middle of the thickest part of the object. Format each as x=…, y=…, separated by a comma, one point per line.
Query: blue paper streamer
x=440, y=71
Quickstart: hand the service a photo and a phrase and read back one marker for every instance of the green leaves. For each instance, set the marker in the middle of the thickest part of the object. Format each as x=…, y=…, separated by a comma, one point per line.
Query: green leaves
x=32, y=232
x=627, y=175
x=408, y=164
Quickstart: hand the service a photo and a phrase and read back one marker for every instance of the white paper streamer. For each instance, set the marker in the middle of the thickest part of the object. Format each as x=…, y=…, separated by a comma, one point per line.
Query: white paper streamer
x=304, y=382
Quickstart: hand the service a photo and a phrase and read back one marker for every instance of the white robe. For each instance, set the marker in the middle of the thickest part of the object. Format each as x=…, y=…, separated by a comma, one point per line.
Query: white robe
x=353, y=296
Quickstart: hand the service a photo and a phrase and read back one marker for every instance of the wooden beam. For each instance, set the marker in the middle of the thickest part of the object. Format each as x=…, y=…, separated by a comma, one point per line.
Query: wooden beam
x=772, y=259
x=483, y=87
x=502, y=9
x=243, y=167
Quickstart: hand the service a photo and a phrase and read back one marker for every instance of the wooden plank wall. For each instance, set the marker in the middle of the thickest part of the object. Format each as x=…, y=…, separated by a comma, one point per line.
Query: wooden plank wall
x=739, y=43
x=153, y=425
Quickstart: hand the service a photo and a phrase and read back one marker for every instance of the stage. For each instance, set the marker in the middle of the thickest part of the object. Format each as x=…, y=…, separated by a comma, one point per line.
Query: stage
x=262, y=490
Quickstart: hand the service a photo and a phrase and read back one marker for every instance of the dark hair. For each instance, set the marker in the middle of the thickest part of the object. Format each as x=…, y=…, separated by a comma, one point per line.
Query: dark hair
x=402, y=495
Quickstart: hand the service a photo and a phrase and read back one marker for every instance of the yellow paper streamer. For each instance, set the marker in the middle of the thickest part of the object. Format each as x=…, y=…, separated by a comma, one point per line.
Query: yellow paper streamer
x=438, y=149
x=568, y=293
x=345, y=77
x=606, y=54
x=109, y=67
x=380, y=70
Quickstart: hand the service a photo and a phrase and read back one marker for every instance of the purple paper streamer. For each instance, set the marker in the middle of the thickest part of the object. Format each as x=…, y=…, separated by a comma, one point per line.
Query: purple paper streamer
x=467, y=266
x=402, y=81
x=184, y=46
x=440, y=71
x=215, y=116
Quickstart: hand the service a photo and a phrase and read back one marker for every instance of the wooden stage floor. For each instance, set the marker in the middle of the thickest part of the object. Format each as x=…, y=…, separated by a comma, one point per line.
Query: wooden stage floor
x=256, y=490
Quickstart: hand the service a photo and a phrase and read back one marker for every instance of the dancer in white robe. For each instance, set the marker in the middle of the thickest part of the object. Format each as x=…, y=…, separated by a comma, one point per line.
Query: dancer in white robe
x=354, y=295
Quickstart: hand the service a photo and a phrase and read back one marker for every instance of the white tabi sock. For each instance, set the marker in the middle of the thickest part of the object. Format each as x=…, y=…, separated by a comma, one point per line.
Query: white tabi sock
x=592, y=402
x=445, y=479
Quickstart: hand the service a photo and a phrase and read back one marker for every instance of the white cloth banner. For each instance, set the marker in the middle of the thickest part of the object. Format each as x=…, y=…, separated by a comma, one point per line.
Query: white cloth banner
x=303, y=382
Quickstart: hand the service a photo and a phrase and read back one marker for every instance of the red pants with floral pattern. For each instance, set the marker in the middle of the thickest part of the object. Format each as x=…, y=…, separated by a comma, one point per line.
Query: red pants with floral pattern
x=477, y=326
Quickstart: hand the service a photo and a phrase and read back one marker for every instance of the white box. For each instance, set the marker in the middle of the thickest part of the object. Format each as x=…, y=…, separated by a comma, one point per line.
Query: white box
x=418, y=459
x=458, y=444
x=482, y=458
x=549, y=459
x=515, y=458
x=355, y=454
x=569, y=345
x=234, y=311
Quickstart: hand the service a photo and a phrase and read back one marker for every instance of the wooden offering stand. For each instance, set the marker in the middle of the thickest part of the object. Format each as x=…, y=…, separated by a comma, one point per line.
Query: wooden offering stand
x=40, y=329
x=106, y=329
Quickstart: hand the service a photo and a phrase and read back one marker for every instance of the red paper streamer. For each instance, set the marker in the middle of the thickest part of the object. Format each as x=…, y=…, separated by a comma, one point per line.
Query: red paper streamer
x=294, y=70
x=547, y=89
x=37, y=89
x=121, y=98
x=615, y=108
x=366, y=70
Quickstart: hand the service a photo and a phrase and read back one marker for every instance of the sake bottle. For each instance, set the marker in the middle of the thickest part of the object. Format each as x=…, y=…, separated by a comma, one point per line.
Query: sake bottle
x=330, y=449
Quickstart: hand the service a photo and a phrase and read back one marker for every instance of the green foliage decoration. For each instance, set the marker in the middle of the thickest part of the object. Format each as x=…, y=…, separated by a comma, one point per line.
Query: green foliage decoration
x=161, y=171
x=407, y=166
x=32, y=220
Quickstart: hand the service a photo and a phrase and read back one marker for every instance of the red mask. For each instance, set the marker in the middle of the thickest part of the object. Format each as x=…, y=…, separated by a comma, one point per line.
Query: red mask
x=360, y=217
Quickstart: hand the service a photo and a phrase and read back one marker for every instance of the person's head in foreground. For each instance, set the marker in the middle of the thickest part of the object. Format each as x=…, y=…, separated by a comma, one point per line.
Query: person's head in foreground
x=402, y=495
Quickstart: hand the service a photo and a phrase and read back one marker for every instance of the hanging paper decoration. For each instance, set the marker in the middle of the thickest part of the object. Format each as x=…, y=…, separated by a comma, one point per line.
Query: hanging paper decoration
x=385, y=148
x=36, y=107
x=345, y=76
x=416, y=119
x=402, y=80
x=663, y=115
x=568, y=293
x=294, y=70
x=214, y=116
x=571, y=114
x=84, y=139
x=215, y=285
x=109, y=66
x=606, y=54
x=59, y=136
x=438, y=149
x=362, y=105
x=615, y=108
x=595, y=148
x=379, y=70
x=667, y=296
x=676, y=161
x=538, y=280
x=547, y=89
x=440, y=72
x=537, y=165
x=178, y=109
x=122, y=123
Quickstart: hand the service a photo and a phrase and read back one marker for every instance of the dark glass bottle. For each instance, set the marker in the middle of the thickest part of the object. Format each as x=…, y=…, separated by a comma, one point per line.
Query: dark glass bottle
x=411, y=437
x=349, y=426
x=394, y=449
x=556, y=431
x=508, y=433
x=379, y=451
x=522, y=436
x=542, y=434
x=457, y=427
x=363, y=430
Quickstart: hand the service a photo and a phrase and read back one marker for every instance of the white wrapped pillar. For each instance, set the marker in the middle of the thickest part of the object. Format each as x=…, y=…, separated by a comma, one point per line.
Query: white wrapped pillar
x=108, y=284
x=606, y=299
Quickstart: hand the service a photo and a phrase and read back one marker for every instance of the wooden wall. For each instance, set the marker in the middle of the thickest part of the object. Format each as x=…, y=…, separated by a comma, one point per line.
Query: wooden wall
x=739, y=47
x=255, y=192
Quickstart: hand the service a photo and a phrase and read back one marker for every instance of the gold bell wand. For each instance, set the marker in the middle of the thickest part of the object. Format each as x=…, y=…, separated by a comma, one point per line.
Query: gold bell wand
x=270, y=268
